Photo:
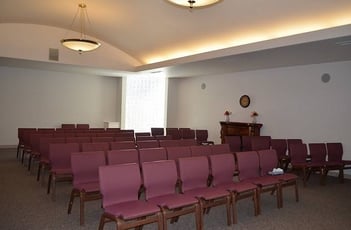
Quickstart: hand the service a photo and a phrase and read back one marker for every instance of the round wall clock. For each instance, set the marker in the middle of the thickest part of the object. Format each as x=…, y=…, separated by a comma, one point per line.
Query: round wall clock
x=244, y=101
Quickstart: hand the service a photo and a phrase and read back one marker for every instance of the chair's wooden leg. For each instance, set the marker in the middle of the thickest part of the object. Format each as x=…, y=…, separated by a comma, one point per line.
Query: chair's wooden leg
x=255, y=200
x=49, y=183
x=29, y=161
x=296, y=192
x=71, y=199
x=341, y=174
x=235, y=213
x=39, y=171
x=82, y=199
x=102, y=222
x=229, y=211
x=197, y=217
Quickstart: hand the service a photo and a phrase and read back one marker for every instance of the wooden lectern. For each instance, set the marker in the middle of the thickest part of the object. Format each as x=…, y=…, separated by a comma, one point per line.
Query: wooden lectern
x=239, y=129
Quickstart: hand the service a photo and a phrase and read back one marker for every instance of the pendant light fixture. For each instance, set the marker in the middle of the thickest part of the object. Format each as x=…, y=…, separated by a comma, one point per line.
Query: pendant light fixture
x=194, y=3
x=81, y=44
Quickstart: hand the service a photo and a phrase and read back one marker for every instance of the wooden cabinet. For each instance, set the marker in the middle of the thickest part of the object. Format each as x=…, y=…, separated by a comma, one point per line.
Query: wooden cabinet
x=239, y=129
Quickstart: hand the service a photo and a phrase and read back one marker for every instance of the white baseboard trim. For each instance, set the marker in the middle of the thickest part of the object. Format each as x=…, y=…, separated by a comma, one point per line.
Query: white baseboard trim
x=8, y=146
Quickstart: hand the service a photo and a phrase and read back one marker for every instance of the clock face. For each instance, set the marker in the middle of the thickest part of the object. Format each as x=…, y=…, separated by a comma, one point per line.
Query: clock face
x=244, y=101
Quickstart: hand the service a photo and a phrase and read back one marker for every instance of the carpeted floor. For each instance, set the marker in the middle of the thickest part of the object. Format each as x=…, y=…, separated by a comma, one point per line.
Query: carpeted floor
x=24, y=204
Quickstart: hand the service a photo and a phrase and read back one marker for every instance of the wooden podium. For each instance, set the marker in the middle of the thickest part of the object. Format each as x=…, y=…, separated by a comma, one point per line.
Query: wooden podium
x=239, y=129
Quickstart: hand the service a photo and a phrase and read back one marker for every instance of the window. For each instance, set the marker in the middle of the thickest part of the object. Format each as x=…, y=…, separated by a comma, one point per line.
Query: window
x=144, y=102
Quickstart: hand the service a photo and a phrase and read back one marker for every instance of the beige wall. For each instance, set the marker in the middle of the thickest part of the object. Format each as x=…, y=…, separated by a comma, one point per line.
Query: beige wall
x=35, y=98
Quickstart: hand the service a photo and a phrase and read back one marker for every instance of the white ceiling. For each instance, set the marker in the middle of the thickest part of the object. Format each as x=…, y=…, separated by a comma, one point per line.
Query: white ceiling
x=159, y=34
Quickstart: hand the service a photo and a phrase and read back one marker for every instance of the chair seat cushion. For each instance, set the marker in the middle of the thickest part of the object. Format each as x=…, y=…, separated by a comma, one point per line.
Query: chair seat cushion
x=287, y=177
x=62, y=171
x=208, y=193
x=132, y=209
x=87, y=187
x=263, y=180
x=238, y=186
x=173, y=201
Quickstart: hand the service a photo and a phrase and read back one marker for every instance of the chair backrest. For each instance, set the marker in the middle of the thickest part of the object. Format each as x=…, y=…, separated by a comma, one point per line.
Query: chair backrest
x=78, y=139
x=152, y=154
x=85, y=166
x=234, y=143
x=260, y=142
x=280, y=146
x=187, y=133
x=335, y=152
x=119, y=138
x=176, y=152
x=246, y=143
x=44, y=143
x=119, y=183
x=293, y=141
x=157, y=131
x=200, y=150
x=193, y=172
x=248, y=164
x=318, y=152
x=159, y=178
x=122, y=156
x=220, y=148
x=174, y=132
x=298, y=153
x=222, y=168
x=82, y=126
x=187, y=142
x=201, y=135
x=60, y=154
x=102, y=139
x=169, y=143
x=148, y=144
x=68, y=126
x=145, y=138
x=96, y=146
x=122, y=145
x=268, y=160
x=35, y=140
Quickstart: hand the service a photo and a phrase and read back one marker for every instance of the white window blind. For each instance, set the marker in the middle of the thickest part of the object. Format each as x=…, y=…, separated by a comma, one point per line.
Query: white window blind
x=145, y=101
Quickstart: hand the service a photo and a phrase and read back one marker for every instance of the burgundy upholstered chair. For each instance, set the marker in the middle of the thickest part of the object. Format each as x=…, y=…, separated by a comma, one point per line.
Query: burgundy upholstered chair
x=102, y=138
x=260, y=142
x=60, y=161
x=174, y=133
x=122, y=145
x=157, y=131
x=335, y=154
x=269, y=161
x=187, y=133
x=187, y=142
x=281, y=148
x=194, y=173
x=152, y=154
x=202, y=137
x=249, y=171
x=234, y=143
x=122, y=156
x=160, y=179
x=147, y=144
x=85, y=170
x=95, y=146
x=318, y=153
x=223, y=168
x=200, y=150
x=298, y=155
x=44, y=143
x=220, y=149
x=169, y=143
x=176, y=152
x=120, y=200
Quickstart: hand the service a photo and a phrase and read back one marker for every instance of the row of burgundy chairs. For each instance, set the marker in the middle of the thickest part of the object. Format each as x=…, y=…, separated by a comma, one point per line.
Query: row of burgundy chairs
x=58, y=158
x=159, y=179
x=318, y=157
x=224, y=166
